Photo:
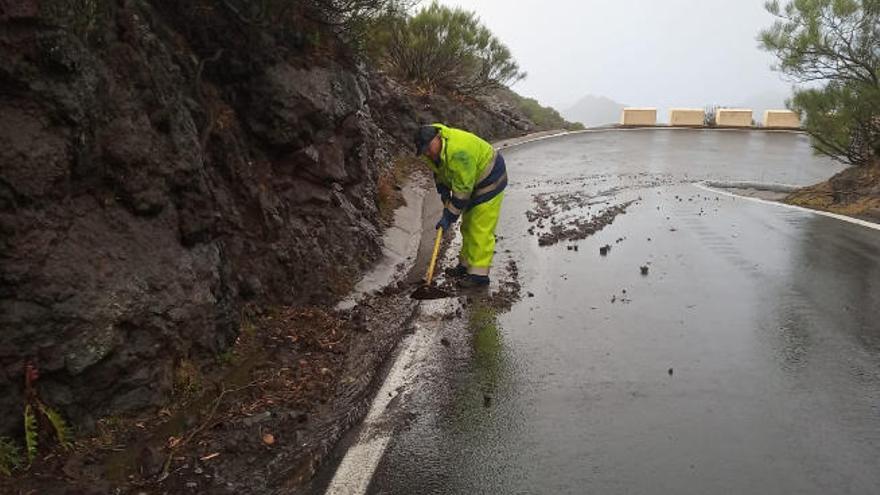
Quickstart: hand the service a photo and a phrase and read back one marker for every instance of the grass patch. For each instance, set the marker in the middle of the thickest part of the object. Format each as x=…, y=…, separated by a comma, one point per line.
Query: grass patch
x=10, y=456
x=109, y=431
x=188, y=380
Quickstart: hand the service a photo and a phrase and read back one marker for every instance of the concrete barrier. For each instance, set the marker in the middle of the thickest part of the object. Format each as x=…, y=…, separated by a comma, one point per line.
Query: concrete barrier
x=639, y=116
x=781, y=119
x=733, y=117
x=687, y=116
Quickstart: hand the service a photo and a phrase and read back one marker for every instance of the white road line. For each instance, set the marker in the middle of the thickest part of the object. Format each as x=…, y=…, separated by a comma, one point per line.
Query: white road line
x=359, y=464
x=857, y=221
x=356, y=470
x=505, y=146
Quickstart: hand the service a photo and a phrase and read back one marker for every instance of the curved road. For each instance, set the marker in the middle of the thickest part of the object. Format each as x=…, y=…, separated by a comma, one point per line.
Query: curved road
x=746, y=361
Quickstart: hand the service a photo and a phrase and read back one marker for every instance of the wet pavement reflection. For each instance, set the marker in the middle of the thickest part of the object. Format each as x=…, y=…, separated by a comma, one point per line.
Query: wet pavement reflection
x=746, y=359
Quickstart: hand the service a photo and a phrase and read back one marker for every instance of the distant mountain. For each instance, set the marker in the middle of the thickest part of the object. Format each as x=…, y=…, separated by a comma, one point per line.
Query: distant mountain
x=544, y=118
x=594, y=111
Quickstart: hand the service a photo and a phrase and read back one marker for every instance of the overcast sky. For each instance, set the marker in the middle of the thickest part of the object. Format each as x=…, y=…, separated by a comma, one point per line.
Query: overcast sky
x=661, y=53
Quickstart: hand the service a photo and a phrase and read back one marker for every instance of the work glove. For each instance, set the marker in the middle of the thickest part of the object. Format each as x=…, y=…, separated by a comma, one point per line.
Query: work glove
x=442, y=190
x=445, y=193
x=447, y=220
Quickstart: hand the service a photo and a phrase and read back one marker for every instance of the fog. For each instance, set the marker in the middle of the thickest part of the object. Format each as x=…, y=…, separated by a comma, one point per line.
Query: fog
x=662, y=53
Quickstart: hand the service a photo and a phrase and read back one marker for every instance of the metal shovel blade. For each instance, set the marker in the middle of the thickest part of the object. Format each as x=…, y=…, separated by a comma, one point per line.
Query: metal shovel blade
x=428, y=292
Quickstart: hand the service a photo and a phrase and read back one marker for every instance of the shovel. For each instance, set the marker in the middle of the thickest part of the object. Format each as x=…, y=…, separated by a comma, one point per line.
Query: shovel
x=428, y=291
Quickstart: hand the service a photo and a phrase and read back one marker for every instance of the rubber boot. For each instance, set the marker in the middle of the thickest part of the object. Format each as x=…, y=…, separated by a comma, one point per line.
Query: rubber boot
x=472, y=281
x=457, y=272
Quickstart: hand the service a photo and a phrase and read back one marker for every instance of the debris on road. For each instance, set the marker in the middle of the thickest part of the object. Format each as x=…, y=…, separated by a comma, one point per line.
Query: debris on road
x=429, y=292
x=623, y=298
x=569, y=216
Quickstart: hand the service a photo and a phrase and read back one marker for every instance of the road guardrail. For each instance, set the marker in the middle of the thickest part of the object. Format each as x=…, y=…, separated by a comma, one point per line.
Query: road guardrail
x=724, y=117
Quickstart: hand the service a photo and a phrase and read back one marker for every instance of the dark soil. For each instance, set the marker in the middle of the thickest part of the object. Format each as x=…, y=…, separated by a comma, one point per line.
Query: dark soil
x=509, y=289
x=261, y=421
x=428, y=292
x=854, y=192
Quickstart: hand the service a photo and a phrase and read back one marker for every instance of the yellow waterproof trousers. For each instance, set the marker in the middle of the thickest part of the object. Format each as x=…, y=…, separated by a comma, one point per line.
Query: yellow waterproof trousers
x=478, y=235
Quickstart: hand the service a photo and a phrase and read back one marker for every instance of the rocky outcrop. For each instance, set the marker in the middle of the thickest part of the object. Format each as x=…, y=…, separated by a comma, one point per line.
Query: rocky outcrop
x=144, y=197
x=162, y=164
x=400, y=111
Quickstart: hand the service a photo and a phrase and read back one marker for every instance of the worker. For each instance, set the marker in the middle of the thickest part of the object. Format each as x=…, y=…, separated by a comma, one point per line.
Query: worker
x=470, y=177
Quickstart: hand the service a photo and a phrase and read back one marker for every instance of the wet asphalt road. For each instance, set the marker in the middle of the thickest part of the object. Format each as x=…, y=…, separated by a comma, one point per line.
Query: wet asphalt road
x=746, y=361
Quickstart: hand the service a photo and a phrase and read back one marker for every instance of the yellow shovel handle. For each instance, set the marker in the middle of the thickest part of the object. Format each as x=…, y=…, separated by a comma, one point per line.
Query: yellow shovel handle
x=433, y=264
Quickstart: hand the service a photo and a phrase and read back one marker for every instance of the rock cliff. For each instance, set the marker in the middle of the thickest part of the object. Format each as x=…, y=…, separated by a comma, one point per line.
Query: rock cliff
x=163, y=163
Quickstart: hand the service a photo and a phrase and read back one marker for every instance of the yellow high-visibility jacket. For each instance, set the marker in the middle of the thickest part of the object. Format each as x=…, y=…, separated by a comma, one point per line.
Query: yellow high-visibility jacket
x=468, y=168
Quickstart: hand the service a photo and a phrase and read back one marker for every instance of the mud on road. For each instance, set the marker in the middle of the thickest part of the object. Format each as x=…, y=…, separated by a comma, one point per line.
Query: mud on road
x=577, y=208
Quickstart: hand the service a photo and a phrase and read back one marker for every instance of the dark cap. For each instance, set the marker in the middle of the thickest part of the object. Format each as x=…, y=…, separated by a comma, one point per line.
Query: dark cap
x=423, y=138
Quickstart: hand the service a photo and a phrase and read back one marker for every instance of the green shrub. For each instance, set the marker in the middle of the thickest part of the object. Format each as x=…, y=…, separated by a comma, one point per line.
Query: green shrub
x=350, y=19
x=84, y=18
x=448, y=47
x=356, y=18
x=709, y=116
x=10, y=457
x=833, y=48
x=31, y=439
x=63, y=434
x=544, y=118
